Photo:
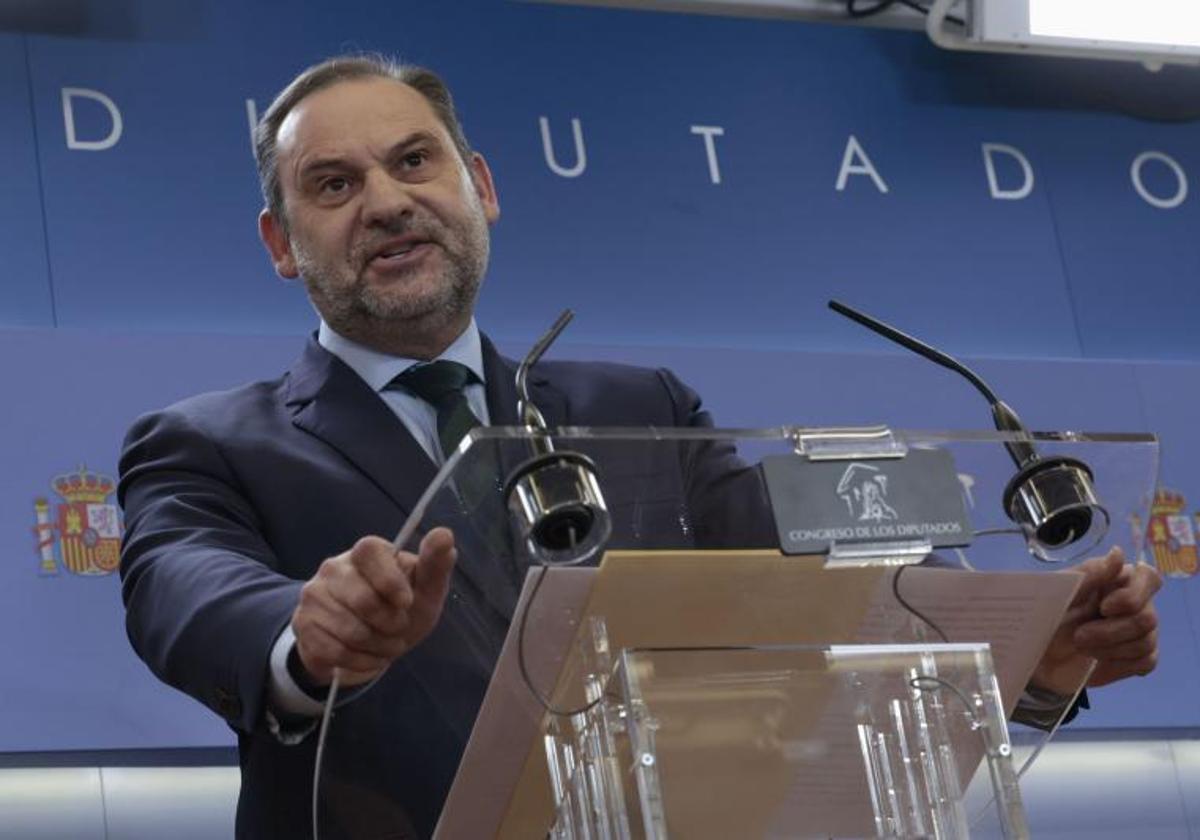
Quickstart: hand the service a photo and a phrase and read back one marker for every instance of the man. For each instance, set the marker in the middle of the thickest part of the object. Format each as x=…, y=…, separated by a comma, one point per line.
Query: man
x=256, y=563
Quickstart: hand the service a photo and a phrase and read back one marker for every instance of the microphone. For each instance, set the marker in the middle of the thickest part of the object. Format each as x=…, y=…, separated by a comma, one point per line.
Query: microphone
x=554, y=497
x=1051, y=498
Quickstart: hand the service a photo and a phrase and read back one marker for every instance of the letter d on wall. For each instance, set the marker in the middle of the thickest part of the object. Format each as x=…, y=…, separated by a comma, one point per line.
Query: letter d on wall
x=990, y=150
x=73, y=141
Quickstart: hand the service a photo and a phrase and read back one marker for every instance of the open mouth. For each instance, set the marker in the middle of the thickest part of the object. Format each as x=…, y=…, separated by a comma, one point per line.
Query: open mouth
x=401, y=253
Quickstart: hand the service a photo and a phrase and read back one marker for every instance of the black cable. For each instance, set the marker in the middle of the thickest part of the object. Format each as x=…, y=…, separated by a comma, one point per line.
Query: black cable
x=541, y=698
x=991, y=532
x=880, y=6
x=883, y=5
x=919, y=683
x=911, y=608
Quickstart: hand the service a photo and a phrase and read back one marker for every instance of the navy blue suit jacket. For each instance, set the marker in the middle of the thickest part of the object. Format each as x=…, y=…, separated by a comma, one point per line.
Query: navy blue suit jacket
x=232, y=500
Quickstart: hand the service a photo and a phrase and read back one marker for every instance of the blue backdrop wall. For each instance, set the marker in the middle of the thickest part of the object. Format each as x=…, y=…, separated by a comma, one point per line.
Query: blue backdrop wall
x=695, y=187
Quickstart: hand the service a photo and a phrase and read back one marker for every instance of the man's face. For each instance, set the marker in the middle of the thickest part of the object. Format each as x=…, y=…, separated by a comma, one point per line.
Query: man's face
x=385, y=222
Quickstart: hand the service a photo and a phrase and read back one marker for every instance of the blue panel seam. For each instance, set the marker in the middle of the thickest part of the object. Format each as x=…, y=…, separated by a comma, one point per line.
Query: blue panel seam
x=37, y=157
x=1066, y=272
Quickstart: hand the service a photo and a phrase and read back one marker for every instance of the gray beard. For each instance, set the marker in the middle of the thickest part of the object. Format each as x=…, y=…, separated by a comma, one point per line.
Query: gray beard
x=358, y=311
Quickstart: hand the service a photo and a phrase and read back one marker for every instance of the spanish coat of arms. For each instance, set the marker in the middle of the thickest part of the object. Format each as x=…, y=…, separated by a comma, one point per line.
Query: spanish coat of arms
x=83, y=536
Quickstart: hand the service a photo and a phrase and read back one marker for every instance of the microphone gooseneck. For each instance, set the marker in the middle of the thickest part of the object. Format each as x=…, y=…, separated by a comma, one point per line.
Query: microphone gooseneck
x=916, y=345
x=553, y=497
x=1051, y=498
x=527, y=413
x=1005, y=419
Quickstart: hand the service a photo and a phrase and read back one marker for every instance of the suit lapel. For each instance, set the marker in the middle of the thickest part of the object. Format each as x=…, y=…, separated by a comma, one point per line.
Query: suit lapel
x=331, y=402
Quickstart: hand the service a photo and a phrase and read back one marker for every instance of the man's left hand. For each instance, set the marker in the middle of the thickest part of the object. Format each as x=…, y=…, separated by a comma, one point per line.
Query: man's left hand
x=1111, y=620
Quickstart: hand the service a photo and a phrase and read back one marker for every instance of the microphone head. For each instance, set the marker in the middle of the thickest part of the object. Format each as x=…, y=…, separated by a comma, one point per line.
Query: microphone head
x=563, y=529
x=557, y=508
x=1054, y=502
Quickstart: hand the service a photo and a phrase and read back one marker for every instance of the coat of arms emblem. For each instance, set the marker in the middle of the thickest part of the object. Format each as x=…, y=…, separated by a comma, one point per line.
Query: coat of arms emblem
x=84, y=534
x=1169, y=535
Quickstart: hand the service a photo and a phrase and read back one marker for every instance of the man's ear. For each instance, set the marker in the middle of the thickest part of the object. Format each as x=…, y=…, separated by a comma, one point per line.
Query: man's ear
x=485, y=188
x=278, y=245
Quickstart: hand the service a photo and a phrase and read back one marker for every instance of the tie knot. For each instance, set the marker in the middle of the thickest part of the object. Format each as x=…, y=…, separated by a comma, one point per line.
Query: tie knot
x=435, y=382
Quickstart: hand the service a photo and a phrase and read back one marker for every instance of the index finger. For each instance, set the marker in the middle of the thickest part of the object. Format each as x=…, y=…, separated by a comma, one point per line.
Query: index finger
x=1144, y=581
x=434, y=544
x=436, y=560
x=1097, y=572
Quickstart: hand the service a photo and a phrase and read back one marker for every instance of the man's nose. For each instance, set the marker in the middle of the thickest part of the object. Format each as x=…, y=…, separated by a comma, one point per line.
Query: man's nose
x=385, y=199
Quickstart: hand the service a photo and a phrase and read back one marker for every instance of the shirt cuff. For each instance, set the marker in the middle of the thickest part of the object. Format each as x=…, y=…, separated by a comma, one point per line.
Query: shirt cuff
x=1040, y=708
x=284, y=694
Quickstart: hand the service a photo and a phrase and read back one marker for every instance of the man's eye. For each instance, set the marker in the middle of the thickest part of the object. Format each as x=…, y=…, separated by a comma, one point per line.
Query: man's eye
x=333, y=186
x=412, y=160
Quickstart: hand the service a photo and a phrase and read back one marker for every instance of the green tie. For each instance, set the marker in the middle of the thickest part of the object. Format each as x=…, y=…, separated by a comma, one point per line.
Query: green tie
x=441, y=385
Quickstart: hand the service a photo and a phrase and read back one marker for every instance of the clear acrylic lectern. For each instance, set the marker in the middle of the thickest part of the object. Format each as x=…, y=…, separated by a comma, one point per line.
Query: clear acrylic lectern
x=700, y=683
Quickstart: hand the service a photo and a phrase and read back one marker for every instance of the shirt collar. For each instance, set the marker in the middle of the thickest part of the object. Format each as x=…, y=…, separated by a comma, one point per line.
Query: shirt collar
x=378, y=369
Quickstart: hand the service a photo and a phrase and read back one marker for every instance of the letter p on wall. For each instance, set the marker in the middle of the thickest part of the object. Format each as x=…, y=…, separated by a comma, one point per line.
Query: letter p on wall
x=116, y=126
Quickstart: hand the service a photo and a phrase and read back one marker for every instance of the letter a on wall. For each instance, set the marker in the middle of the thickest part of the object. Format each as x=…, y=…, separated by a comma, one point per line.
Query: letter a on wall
x=856, y=162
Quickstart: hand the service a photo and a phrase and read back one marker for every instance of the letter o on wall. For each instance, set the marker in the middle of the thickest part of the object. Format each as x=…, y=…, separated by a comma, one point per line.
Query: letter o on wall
x=1162, y=203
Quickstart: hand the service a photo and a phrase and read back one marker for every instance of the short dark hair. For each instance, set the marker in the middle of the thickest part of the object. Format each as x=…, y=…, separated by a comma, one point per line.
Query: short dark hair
x=345, y=68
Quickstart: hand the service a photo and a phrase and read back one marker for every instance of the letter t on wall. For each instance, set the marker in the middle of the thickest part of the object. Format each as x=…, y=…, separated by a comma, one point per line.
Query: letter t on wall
x=710, y=148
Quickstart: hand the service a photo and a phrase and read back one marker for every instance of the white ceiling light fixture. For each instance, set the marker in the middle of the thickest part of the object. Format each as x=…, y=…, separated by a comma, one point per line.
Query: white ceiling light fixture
x=1155, y=32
